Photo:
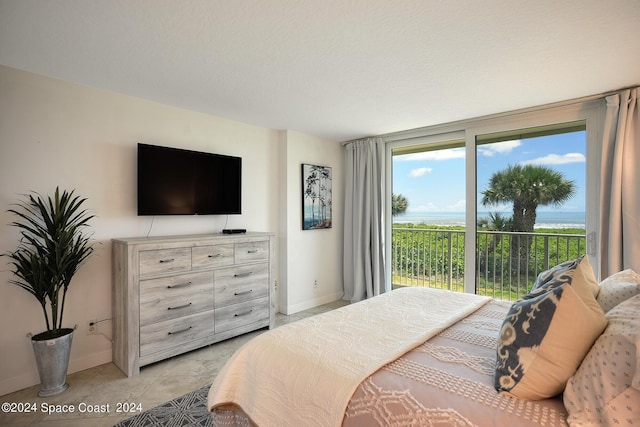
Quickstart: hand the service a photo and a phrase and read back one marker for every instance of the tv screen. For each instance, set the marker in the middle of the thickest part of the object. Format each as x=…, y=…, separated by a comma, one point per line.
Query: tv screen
x=173, y=181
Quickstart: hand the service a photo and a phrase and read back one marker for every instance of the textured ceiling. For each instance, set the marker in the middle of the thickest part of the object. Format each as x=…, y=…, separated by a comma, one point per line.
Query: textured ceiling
x=339, y=69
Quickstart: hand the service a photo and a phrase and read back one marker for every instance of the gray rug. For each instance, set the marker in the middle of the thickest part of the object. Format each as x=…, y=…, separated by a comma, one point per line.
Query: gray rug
x=187, y=410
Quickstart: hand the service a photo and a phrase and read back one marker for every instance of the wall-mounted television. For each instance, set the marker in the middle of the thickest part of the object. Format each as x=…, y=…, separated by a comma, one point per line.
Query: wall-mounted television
x=173, y=181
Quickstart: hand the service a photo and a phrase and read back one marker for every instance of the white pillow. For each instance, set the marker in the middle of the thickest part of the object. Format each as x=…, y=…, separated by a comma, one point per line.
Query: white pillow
x=617, y=288
x=605, y=390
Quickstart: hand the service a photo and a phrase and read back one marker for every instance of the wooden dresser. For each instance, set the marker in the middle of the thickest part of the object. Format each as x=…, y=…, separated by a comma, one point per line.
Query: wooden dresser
x=175, y=294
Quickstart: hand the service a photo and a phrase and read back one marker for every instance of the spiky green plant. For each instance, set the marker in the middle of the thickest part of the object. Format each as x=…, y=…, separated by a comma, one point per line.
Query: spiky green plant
x=51, y=249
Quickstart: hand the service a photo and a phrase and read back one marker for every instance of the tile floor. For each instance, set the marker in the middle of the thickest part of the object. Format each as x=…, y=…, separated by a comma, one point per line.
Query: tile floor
x=103, y=385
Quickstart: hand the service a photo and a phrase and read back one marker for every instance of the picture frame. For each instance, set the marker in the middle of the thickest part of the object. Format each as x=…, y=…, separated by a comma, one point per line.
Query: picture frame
x=316, y=197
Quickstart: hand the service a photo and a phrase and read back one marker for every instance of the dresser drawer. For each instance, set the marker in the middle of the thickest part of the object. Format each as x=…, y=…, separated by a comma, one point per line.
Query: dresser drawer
x=251, y=251
x=211, y=256
x=238, y=315
x=172, y=297
x=164, y=261
x=173, y=333
x=237, y=284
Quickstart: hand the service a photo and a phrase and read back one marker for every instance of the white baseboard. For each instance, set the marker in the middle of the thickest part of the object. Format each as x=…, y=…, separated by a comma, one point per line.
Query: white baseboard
x=295, y=308
x=27, y=379
x=90, y=361
x=31, y=378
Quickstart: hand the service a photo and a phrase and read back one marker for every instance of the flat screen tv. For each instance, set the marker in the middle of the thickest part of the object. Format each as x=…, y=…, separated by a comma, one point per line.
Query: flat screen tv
x=173, y=181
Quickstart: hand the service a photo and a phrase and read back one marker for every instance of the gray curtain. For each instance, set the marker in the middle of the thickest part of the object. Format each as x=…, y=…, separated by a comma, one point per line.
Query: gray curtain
x=620, y=184
x=363, y=269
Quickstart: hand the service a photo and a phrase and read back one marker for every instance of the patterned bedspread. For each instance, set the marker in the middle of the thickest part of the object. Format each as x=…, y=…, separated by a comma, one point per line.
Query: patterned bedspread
x=445, y=381
x=448, y=381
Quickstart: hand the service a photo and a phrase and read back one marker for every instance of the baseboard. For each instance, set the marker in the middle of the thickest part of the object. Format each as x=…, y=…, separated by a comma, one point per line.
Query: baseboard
x=90, y=361
x=19, y=382
x=326, y=299
x=31, y=378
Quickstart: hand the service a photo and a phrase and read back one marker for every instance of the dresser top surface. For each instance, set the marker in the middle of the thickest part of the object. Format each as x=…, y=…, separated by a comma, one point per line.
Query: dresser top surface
x=194, y=237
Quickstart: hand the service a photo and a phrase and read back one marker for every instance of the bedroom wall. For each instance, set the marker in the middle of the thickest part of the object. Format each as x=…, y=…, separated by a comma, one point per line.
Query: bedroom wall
x=58, y=133
x=310, y=260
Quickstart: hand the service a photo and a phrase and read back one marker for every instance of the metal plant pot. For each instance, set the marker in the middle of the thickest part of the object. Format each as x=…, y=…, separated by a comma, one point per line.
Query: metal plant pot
x=52, y=358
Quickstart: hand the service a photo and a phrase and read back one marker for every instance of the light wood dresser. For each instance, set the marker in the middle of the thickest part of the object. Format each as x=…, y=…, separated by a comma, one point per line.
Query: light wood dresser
x=175, y=294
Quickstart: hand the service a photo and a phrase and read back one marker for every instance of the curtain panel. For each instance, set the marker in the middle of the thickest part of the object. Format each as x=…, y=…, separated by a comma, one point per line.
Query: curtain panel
x=363, y=267
x=620, y=182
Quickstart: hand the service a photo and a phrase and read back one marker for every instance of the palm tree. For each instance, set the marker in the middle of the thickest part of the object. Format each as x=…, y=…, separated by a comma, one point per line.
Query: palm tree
x=399, y=204
x=495, y=222
x=527, y=187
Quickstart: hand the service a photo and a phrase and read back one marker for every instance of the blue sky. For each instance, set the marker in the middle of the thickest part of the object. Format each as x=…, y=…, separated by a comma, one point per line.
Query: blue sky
x=435, y=181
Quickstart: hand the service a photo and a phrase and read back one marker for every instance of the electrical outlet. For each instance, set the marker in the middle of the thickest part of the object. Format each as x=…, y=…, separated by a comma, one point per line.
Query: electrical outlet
x=315, y=283
x=275, y=286
x=93, y=327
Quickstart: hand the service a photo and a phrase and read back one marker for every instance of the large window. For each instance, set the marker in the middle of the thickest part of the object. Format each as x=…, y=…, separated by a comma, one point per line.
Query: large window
x=530, y=205
x=455, y=225
x=429, y=215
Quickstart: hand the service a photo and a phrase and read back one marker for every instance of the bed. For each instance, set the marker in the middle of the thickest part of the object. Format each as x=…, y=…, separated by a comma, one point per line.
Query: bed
x=430, y=357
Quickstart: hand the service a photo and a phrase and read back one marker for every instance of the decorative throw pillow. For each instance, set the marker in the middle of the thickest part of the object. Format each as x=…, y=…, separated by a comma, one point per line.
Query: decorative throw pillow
x=605, y=390
x=617, y=288
x=579, y=268
x=546, y=335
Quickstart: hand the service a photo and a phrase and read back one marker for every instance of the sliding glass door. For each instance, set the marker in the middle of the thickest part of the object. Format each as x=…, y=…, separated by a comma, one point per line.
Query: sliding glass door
x=530, y=205
x=486, y=205
x=429, y=215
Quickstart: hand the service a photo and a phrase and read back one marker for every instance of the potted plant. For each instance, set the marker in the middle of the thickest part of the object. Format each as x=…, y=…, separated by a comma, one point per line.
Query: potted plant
x=51, y=249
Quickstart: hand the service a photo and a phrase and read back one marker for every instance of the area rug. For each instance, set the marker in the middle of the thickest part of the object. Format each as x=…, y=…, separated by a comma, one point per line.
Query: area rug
x=187, y=410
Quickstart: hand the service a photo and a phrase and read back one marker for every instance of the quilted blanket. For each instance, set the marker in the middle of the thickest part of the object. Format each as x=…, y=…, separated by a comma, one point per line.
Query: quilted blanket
x=305, y=373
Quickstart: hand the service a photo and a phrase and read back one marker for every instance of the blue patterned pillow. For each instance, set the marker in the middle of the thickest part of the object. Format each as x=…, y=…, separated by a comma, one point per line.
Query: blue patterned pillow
x=545, y=336
x=564, y=273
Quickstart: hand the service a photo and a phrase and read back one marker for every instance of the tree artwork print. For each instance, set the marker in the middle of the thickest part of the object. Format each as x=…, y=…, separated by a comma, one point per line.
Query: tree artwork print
x=316, y=197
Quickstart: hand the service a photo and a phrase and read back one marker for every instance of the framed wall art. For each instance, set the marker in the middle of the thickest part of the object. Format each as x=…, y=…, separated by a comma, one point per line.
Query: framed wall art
x=316, y=197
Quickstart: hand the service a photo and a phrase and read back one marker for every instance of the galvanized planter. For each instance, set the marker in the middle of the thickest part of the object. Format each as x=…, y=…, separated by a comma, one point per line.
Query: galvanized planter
x=52, y=358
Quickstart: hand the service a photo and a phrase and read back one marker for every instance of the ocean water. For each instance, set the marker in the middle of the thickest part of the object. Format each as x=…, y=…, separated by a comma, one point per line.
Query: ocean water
x=544, y=219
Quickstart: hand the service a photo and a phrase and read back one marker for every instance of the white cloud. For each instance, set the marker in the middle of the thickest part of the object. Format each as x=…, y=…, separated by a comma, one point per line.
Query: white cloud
x=448, y=154
x=504, y=147
x=415, y=173
x=556, y=159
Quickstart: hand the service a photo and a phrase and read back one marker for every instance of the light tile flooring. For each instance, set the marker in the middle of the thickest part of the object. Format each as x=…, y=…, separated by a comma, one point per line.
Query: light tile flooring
x=107, y=385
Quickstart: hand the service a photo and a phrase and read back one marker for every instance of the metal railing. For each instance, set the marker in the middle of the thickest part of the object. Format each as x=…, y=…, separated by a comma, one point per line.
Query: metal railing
x=507, y=263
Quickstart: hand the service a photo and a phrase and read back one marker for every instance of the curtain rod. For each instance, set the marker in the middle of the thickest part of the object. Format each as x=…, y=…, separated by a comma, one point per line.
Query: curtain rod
x=503, y=114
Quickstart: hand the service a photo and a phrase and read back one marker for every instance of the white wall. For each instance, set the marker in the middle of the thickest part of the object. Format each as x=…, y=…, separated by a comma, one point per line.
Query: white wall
x=310, y=260
x=59, y=133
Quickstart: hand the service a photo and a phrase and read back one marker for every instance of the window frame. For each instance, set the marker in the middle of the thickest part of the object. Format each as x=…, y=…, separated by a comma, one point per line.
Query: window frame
x=589, y=111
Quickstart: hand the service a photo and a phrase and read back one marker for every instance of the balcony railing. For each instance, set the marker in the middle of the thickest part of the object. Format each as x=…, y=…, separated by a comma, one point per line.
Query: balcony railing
x=435, y=258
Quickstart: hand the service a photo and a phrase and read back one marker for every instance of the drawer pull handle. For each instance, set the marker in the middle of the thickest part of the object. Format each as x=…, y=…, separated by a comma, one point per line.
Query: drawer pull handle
x=243, y=274
x=166, y=261
x=179, y=285
x=179, y=331
x=252, y=251
x=215, y=256
x=243, y=313
x=179, y=306
x=243, y=293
